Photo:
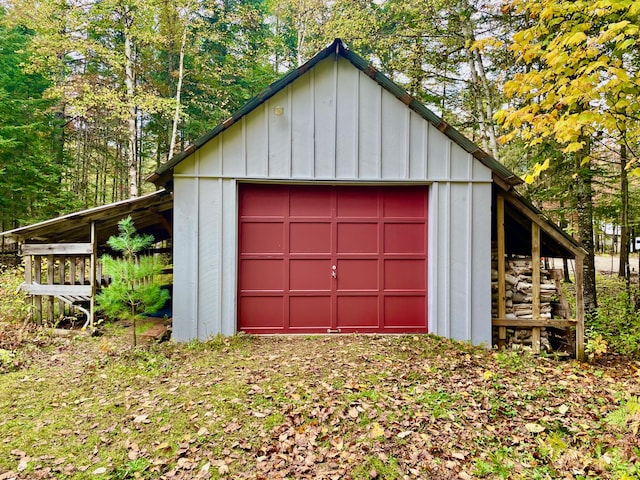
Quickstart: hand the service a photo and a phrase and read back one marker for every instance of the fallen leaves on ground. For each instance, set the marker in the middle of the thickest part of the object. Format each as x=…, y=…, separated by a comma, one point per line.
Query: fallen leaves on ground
x=347, y=407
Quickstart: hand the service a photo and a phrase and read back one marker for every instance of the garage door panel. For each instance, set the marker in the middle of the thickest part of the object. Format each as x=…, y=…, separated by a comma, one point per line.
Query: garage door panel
x=357, y=275
x=354, y=202
x=407, y=238
x=310, y=202
x=261, y=275
x=357, y=237
x=405, y=275
x=310, y=275
x=259, y=237
x=261, y=312
x=405, y=203
x=405, y=312
x=310, y=238
x=310, y=312
x=261, y=202
x=358, y=312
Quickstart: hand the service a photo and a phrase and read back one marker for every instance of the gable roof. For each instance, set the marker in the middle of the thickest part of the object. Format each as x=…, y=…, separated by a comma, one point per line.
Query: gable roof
x=163, y=175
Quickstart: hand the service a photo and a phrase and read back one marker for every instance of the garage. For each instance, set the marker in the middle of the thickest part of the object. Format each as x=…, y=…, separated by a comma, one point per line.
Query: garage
x=332, y=259
x=333, y=165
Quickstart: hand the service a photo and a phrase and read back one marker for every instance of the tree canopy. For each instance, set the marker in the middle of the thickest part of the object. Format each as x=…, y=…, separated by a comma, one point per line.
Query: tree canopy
x=96, y=95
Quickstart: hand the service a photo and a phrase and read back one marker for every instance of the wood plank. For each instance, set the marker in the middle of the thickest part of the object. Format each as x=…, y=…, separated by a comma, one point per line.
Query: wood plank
x=28, y=274
x=530, y=323
x=92, y=273
x=83, y=270
x=37, y=277
x=72, y=270
x=50, y=279
x=580, y=355
x=502, y=306
x=56, y=249
x=62, y=265
x=535, y=340
x=37, y=289
x=535, y=284
x=28, y=269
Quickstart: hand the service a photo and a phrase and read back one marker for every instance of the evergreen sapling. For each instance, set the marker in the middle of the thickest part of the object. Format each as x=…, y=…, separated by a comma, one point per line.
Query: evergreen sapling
x=132, y=291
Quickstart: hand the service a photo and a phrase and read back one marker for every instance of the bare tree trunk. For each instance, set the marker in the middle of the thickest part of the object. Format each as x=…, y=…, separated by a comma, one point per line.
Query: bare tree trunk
x=176, y=114
x=129, y=80
x=584, y=208
x=301, y=38
x=480, y=90
x=623, y=270
x=475, y=89
x=486, y=90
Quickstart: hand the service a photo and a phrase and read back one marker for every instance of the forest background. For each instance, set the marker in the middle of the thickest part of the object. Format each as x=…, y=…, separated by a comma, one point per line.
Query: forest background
x=96, y=94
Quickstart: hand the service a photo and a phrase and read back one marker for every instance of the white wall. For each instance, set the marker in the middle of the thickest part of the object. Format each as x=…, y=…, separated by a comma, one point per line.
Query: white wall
x=339, y=126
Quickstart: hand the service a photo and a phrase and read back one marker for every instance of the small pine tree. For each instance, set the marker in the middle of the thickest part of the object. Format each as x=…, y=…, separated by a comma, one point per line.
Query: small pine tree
x=132, y=291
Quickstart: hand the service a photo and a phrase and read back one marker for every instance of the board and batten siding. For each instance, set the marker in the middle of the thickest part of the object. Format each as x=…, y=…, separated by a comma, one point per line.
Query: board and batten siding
x=337, y=126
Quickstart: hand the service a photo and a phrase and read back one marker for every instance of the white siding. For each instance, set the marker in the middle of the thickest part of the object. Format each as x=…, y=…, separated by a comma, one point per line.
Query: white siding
x=185, y=260
x=336, y=125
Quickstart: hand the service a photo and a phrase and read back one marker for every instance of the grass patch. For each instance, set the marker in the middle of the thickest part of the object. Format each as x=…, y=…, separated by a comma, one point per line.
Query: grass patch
x=312, y=407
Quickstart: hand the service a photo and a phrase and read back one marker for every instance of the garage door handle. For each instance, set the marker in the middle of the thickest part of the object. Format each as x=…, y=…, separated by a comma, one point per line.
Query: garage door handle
x=333, y=271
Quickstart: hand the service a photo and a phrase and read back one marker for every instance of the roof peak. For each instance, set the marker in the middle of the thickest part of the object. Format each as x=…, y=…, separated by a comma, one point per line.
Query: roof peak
x=164, y=174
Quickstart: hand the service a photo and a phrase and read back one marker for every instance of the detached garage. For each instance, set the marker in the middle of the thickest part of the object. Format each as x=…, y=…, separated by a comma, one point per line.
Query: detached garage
x=333, y=202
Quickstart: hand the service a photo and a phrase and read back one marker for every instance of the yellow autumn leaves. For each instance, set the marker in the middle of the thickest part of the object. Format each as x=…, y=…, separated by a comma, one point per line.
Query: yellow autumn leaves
x=575, y=77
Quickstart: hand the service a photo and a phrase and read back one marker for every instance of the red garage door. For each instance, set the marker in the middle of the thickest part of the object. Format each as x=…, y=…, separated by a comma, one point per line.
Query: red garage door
x=332, y=259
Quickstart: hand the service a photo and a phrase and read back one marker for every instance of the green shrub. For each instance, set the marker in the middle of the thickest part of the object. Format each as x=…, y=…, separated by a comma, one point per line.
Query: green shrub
x=14, y=303
x=15, y=313
x=618, y=321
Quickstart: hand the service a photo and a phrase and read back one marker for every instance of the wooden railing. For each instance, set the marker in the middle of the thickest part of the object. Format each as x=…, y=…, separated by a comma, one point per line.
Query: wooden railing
x=61, y=276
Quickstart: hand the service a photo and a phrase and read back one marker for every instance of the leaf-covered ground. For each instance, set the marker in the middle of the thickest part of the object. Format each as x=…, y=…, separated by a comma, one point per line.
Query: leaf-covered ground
x=347, y=407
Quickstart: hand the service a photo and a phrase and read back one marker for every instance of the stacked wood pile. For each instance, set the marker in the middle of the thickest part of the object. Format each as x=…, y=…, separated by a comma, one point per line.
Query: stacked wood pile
x=519, y=303
x=519, y=290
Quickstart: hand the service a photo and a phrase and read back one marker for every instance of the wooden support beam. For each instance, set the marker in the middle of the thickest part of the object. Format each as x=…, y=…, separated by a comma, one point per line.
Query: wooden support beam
x=37, y=277
x=28, y=274
x=535, y=284
x=62, y=265
x=530, y=323
x=72, y=270
x=502, y=294
x=580, y=355
x=50, y=281
x=37, y=289
x=83, y=270
x=92, y=273
x=163, y=221
x=542, y=222
x=56, y=249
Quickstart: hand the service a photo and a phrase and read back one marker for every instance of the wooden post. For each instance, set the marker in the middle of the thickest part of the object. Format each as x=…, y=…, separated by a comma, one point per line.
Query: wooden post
x=50, y=279
x=92, y=273
x=37, y=264
x=83, y=270
x=502, y=308
x=72, y=270
x=28, y=273
x=535, y=284
x=580, y=309
x=62, y=266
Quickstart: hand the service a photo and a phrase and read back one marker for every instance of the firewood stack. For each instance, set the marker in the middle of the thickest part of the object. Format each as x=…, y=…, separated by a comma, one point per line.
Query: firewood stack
x=519, y=301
